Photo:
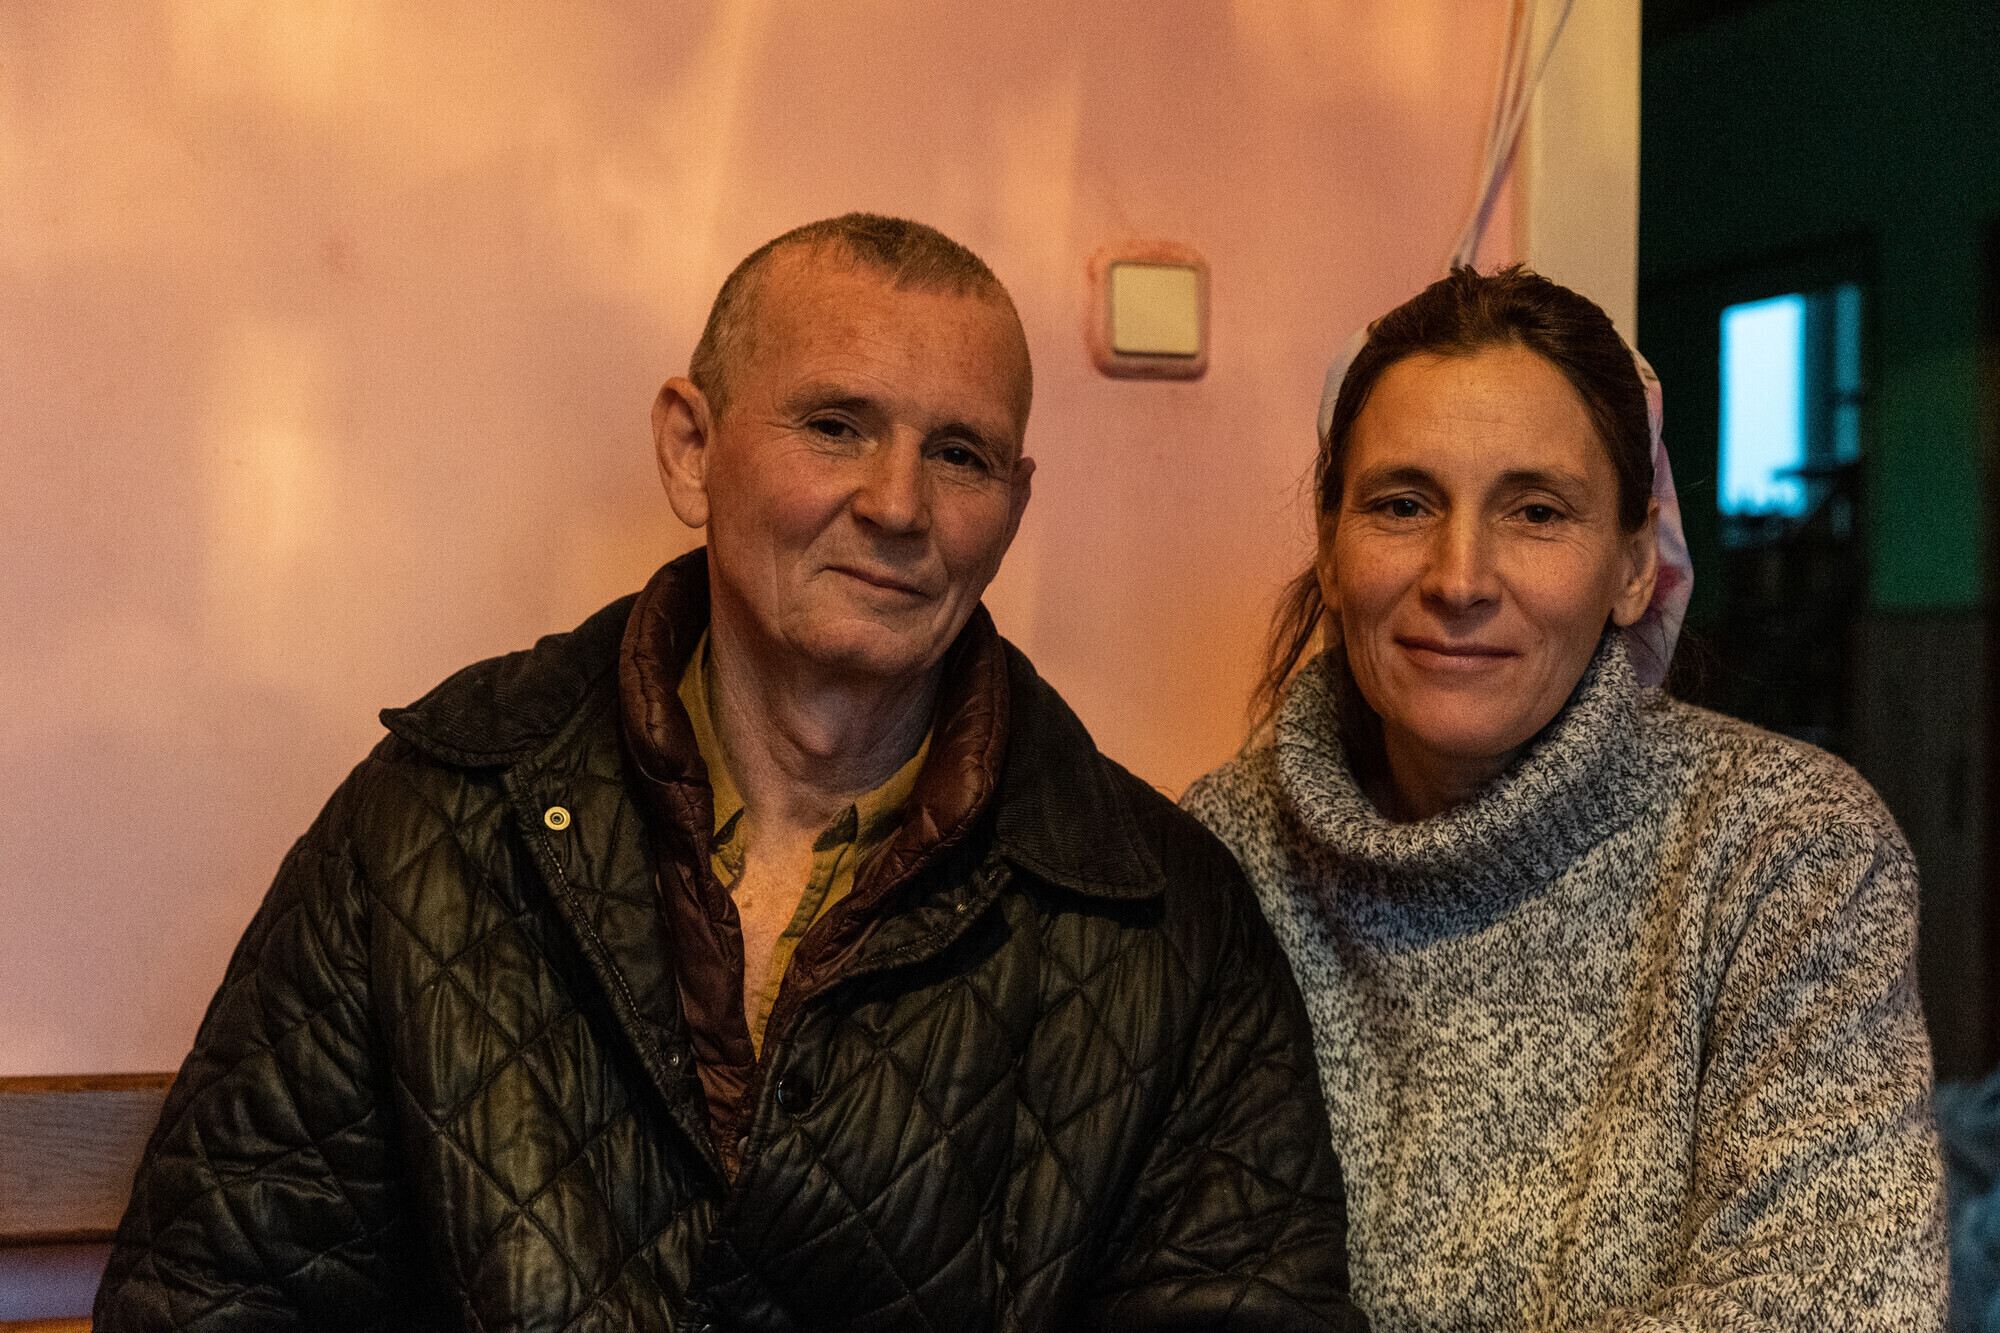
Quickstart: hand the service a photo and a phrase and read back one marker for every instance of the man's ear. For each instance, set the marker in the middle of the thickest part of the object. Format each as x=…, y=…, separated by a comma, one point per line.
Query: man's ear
x=1641, y=557
x=1022, y=489
x=683, y=429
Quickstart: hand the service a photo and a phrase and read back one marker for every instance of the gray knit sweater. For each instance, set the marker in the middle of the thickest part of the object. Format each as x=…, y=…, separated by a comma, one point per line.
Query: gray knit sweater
x=1631, y=1042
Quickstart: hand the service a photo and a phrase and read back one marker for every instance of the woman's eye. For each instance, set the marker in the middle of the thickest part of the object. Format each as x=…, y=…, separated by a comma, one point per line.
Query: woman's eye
x=1539, y=514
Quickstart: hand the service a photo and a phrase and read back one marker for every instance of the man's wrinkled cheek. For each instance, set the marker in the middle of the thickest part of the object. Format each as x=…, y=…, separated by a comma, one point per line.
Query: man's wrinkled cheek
x=806, y=524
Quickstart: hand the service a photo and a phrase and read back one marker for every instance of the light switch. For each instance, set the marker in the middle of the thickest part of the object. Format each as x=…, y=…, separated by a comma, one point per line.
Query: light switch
x=1155, y=310
x=1149, y=302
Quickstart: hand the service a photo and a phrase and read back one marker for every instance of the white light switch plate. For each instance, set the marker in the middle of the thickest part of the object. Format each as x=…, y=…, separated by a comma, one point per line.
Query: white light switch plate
x=1155, y=309
x=1149, y=304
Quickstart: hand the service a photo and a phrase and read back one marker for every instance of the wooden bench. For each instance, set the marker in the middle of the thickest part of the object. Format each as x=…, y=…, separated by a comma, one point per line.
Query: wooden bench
x=69, y=1146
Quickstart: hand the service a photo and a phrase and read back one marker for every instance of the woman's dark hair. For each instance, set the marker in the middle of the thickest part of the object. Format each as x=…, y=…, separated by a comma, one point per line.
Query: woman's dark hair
x=1459, y=315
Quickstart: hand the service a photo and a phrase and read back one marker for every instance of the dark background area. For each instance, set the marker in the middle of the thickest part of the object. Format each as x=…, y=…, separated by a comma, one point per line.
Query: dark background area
x=1797, y=145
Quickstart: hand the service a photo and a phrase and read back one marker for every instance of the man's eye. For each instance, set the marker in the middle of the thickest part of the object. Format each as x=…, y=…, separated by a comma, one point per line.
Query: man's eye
x=957, y=455
x=1540, y=514
x=831, y=427
x=1403, y=507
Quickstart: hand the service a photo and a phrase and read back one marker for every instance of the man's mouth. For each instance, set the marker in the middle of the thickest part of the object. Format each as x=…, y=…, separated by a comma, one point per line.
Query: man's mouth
x=881, y=578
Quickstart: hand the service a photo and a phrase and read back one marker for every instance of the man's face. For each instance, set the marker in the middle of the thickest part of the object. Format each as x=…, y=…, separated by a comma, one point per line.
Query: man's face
x=865, y=476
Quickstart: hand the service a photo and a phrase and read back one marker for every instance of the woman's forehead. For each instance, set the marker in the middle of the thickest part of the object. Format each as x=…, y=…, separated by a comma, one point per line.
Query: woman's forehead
x=1499, y=409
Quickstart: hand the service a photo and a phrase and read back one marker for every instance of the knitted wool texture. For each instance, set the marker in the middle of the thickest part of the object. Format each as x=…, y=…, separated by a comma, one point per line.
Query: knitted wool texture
x=1630, y=1042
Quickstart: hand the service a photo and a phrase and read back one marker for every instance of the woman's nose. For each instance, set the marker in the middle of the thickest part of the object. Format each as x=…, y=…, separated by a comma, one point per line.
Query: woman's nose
x=892, y=495
x=1461, y=575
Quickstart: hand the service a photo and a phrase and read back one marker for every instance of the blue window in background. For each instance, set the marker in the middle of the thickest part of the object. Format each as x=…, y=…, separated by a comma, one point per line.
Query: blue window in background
x=1791, y=414
x=1764, y=407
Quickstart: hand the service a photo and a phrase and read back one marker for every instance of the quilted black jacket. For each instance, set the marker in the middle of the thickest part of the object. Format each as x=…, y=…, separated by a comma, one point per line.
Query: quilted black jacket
x=1067, y=1082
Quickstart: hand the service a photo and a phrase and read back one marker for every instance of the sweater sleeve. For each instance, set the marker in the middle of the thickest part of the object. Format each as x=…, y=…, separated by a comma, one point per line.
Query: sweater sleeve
x=266, y=1196
x=1817, y=1195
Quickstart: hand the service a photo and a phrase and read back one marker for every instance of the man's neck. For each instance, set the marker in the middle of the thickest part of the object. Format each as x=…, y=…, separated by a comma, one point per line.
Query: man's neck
x=803, y=746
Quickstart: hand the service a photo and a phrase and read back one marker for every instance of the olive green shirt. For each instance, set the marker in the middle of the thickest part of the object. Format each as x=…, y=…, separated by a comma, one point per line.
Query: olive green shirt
x=839, y=851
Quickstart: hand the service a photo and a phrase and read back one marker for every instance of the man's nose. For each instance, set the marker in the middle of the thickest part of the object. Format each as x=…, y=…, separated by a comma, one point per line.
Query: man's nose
x=1461, y=575
x=894, y=495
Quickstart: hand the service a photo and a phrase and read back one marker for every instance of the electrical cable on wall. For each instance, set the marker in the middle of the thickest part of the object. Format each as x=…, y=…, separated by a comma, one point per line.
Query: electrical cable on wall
x=1521, y=69
x=1522, y=63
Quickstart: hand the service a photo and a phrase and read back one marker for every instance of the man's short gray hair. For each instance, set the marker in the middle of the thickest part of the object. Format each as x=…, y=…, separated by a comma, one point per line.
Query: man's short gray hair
x=909, y=254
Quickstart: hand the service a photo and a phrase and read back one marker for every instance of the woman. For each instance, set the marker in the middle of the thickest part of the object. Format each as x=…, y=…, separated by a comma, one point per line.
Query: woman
x=1614, y=997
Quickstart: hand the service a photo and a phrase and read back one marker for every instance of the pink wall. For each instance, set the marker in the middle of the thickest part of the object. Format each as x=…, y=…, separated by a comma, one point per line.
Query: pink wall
x=328, y=331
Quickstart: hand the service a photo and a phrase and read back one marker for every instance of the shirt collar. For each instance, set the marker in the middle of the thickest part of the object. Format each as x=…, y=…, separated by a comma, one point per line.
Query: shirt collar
x=871, y=819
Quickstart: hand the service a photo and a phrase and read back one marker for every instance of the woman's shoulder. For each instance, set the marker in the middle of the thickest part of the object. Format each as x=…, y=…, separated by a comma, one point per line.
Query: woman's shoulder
x=1241, y=804
x=1241, y=794
x=1745, y=772
x=1244, y=805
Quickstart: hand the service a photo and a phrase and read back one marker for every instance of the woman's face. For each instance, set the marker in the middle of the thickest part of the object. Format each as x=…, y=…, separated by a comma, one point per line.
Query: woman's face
x=1476, y=554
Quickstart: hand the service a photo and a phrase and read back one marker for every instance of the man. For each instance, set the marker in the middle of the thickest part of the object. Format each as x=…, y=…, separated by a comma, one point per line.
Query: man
x=774, y=950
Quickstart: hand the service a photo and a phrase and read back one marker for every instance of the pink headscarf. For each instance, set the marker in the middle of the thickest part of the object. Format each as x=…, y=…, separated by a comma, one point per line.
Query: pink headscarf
x=1660, y=627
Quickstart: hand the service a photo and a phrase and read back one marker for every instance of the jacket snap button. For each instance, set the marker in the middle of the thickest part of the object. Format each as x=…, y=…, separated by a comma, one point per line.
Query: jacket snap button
x=795, y=1093
x=556, y=818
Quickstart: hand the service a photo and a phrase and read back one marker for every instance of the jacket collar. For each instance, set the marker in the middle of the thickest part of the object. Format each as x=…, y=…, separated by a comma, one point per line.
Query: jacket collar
x=1064, y=814
x=506, y=710
x=1059, y=808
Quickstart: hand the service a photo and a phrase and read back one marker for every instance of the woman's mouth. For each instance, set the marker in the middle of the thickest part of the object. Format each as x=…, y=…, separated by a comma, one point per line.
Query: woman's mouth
x=1451, y=654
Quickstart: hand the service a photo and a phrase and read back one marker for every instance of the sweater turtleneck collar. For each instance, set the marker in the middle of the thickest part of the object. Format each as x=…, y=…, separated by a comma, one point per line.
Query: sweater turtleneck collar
x=1563, y=795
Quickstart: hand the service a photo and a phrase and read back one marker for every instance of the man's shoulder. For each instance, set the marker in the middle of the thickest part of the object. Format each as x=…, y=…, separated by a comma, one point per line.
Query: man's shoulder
x=1073, y=815
x=436, y=780
x=437, y=772
x=504, y=709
